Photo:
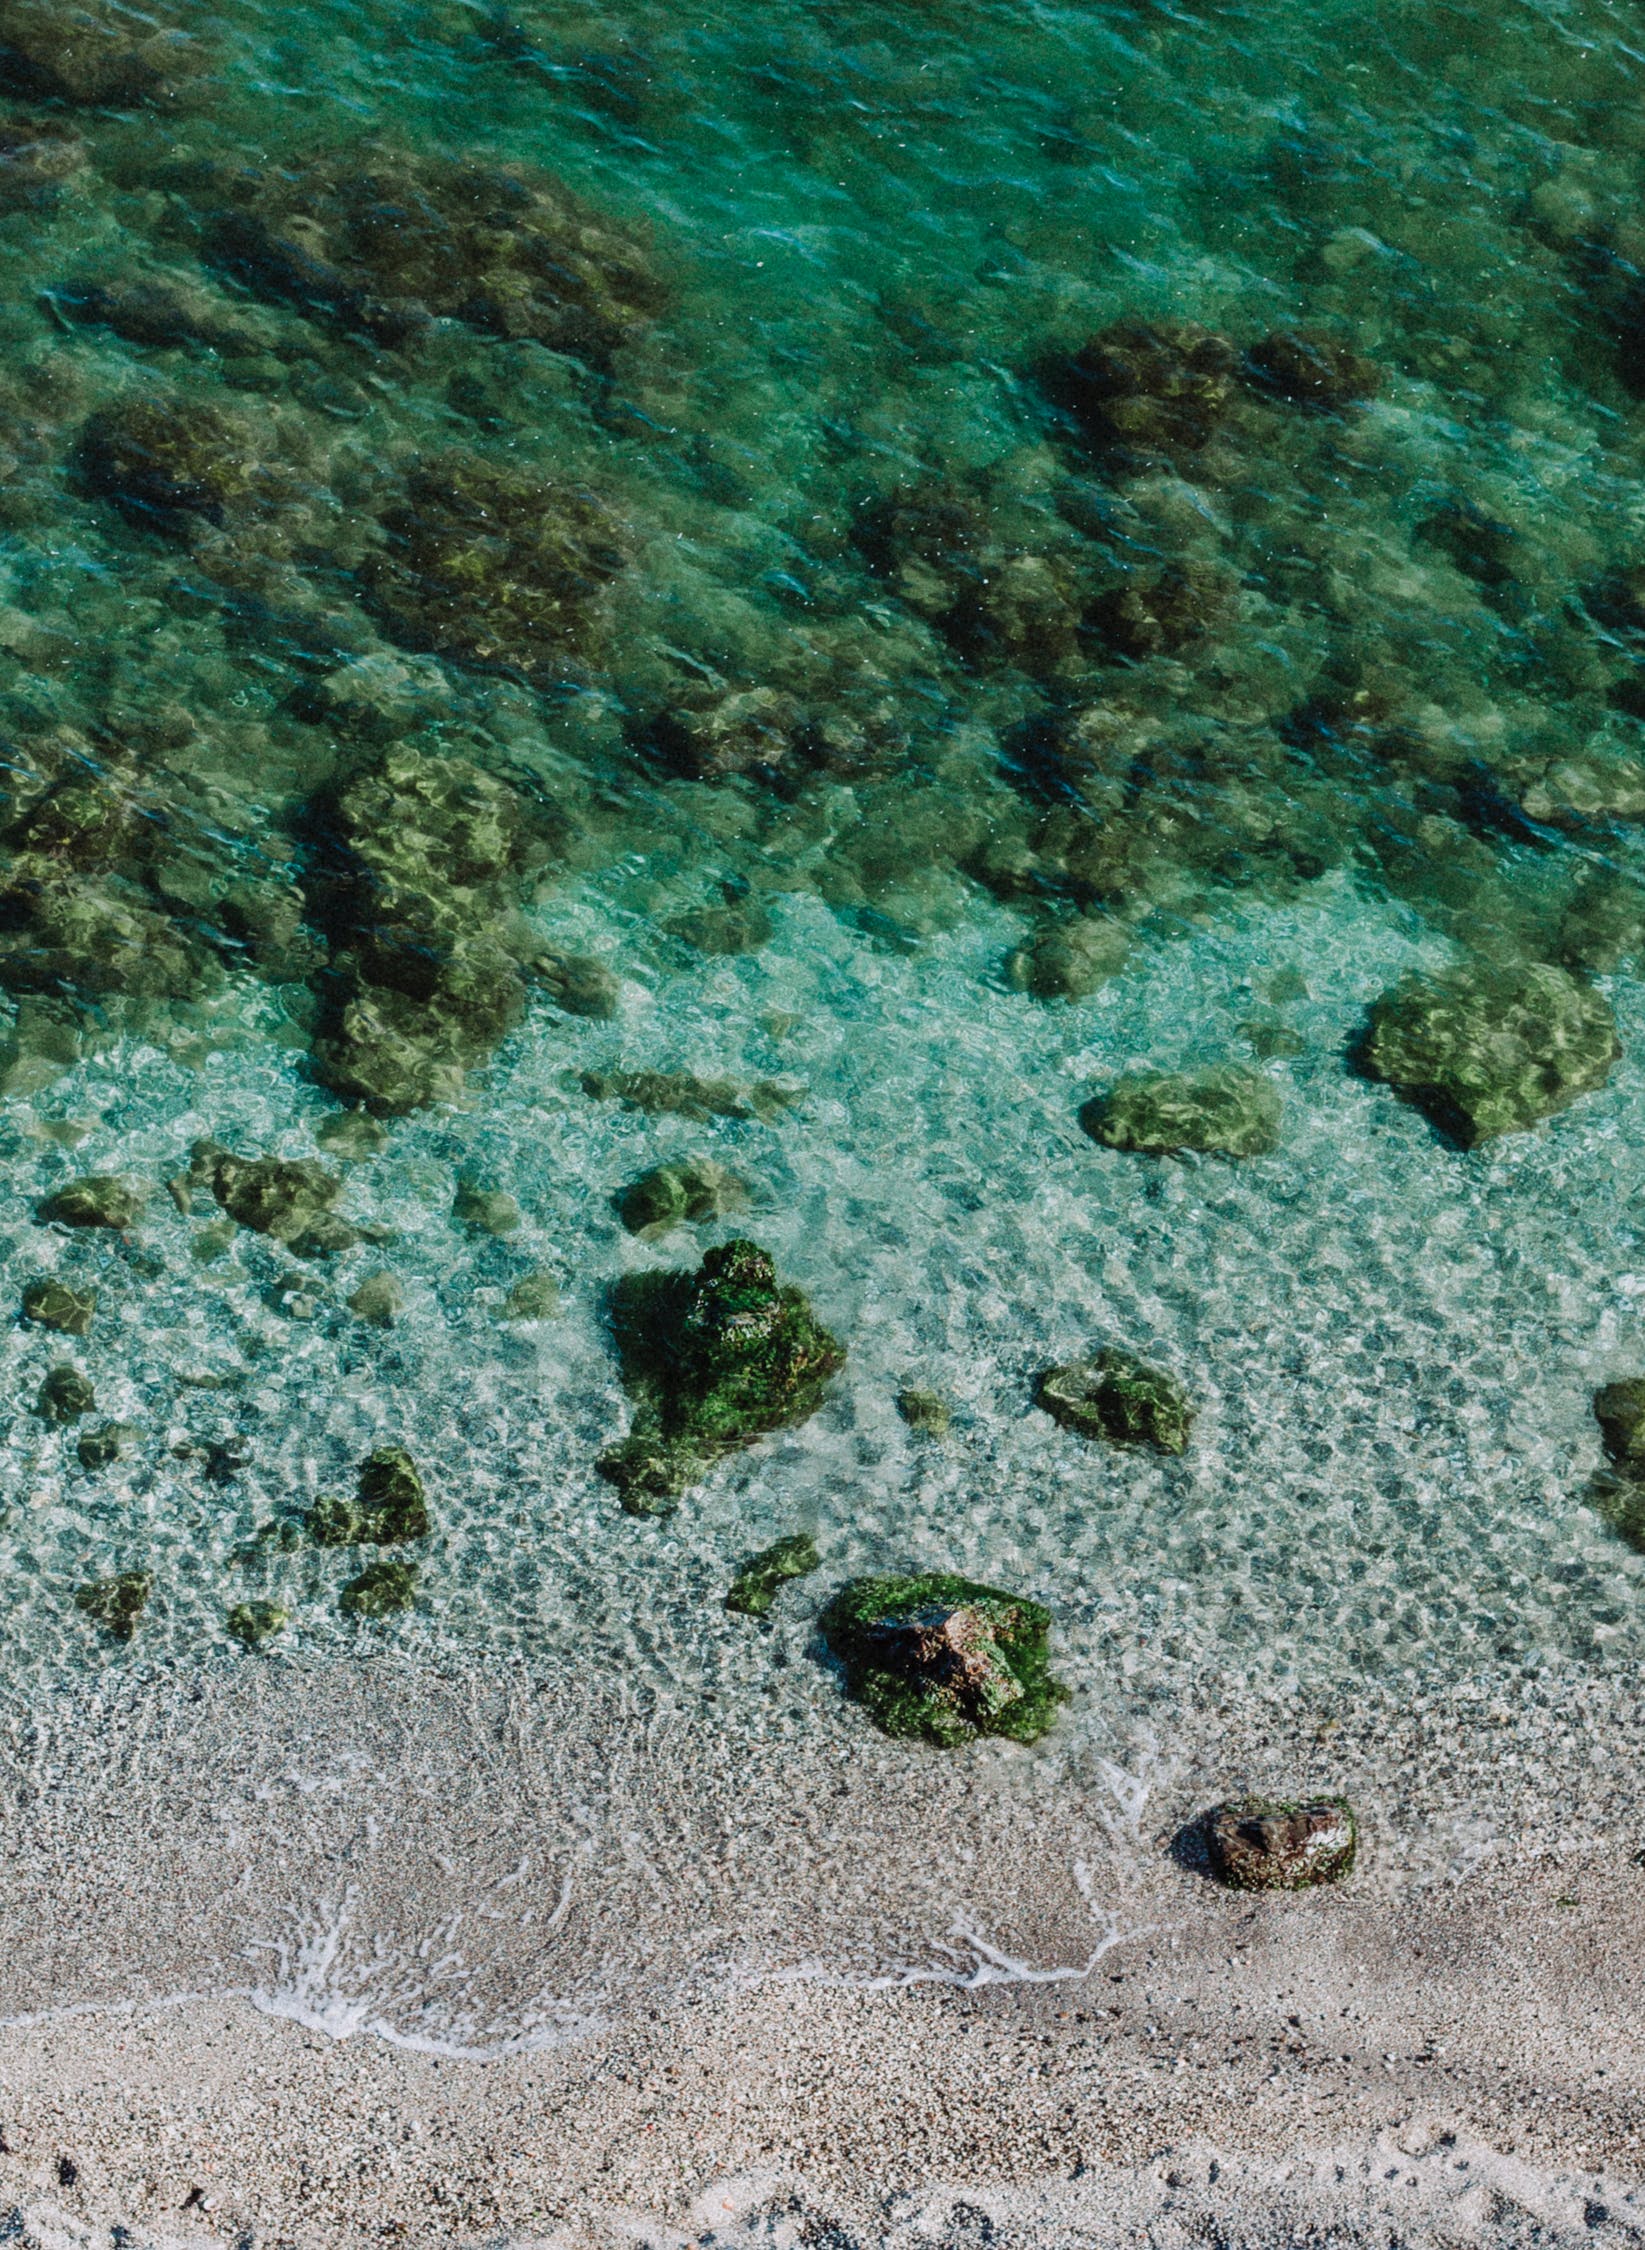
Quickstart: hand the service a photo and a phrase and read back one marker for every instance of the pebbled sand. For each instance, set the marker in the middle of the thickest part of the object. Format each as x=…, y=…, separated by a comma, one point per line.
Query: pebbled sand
x=1452, y=2047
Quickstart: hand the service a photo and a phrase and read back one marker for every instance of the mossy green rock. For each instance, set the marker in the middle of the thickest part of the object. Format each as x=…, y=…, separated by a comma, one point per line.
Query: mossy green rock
x=254, y=1623
x=485, y=1210
x=714, y=1360
x=288, y=1199
x=389, y=1506
x=1070, y=961
x=65, y=1395
x=685, y=1194
x=96, y=1201
x=1227, y=1110
x=941, y=1659
x=51, y=1303
x=1115, y=1395
x=756, y=1584
x=1487, y=1049
x=382, y=1589
x=926, y=1411
x=535, y=1296
x=116, y=1603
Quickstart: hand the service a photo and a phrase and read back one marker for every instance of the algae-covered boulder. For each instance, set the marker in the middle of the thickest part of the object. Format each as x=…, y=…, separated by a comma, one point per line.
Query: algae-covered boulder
x=65, y=1395
x=382, y=240
x=484, y=1210
x=941, y=1659
x=166, y=459
x=1227, y=1110
x=1486, y=1049
x=688, y=1193
x=116, y=1603
x=379, y=1300
x=713, y=1360
x=535, y=1296
x=1619, y=1409
x=253, y=1624
x=681, y=1093
x=92, y=54
x=1115, y=1395
x=286, y=1198
x=1070, y=961
x=99, y=1200
x=1256, y=1844
x=382, y=1589
x=1158, y=612
x=757, y=1583
x=928, y=1412
x=389, y=1506
x=51, y=1303
x=1143, y=391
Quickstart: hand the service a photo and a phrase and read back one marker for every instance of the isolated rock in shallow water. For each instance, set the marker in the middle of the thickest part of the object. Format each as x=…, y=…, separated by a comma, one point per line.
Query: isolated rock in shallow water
x=1619, y=1409
x=578, y=983
x=1257, y=1845
x=1119, y=1397
x=1070, y=961
x=1484, y=1050
x=65, y=1395
x=756, y=1585
x=680, y=1093
x=1306, y=368
x=284, y=1198
x=97, y=1201
x=379, y=1300
x=382, y=1589
x=1144, y=392
x=52, y=1303
x=389, y=1506
x=116, y=1603
x=108, y=1443
x=535, y=1296
x=484, y=1210
x=1225, y=1111
x=688, y=1193
x=713, y=1360
x=941, y=1659
x=253, y=1623
x=926, y=1411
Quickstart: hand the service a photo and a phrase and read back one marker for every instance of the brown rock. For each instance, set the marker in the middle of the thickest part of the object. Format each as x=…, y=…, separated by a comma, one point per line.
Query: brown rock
x=1257, y=1845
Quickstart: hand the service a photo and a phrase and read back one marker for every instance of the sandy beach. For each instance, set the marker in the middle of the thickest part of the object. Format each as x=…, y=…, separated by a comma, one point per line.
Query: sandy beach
x=1027, y=2006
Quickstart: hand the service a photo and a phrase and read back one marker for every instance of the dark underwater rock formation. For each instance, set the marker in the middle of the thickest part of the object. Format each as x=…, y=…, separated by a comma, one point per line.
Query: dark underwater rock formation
x=285, y=1198
x=389, y=1508
x=762, y=1576
x=93, y=55
x=688, y=1193
x=1486, y=1049
x=65, y=1395
x=1227, y=1110
x=52, y=1303
x=1115, y=1395
x=1147, y=391
x=116, y=1603
x=713, y=1360
x=99, y=1200
x=1306, y=368
x=940, y=1659
x=382, y=1589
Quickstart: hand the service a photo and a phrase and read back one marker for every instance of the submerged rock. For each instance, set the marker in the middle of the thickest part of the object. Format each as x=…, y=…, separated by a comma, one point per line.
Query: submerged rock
x=163, y=459
x=389, y=1507
x=485, y=1210
x=1619, y=1409
x=1163, y=612
x=1070, y=961
x=255, y=1623
x=1305, y=368
x=1148, y=391
x=100, y=1200
x=1485, y=1050
x=382, y=1589
x=65, y=1395
x=578, y=983
x=756, y=1584
x=352, y=1134
x=927, y=1412
x=110, y=1442
x=535, y=1296
x=1257, y=1845
x=1227, y=1110
x=51, y=1303
x=1117, y=1396
x=685, y=1194
x=941, y=1659
x=379, y=1299
x=92, y=54
x=713, y=1360
x=116, y=1603
x=680, y=1093
x=284, y=1197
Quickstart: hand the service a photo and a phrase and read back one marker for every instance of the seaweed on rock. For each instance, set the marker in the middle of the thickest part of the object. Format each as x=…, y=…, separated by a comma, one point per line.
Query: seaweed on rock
x=940, y=1659
x=1227, y=1110
x=761, y=1577
x=389, y=1508
x=1117, y=1396
x=1144, y=392
x=714, y=1361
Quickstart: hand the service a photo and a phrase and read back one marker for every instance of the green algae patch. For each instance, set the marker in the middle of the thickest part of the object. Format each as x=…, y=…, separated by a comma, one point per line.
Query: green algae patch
x=1485, y=1049
x=382, y=1589
x=1115, y=1395
x=116, y=1603
x=253, y=1624
x=1260, y=1844
x=938, y=1658
x=689, y=1193
x=51, y=1303
x=713, y=1360
x=389, y=1506
x=680, y=1093
x=1227, y=1110
x=761, y=1577
x=99, y=1200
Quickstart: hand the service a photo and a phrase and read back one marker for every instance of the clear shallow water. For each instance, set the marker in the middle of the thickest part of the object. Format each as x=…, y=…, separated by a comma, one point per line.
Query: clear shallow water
x=1410, y=722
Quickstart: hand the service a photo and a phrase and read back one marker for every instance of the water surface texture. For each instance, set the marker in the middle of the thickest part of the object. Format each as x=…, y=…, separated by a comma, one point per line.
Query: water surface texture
x=902, y=562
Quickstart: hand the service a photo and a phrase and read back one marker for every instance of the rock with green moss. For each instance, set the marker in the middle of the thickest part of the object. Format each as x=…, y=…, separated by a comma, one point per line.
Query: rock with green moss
x=680, y=1093
x=378, y=1300
x=1070, y=961
x=108, y=1443
x=168, y=460
x=1259, y=1844
x=941, y=1659
x=1619, y=1409
x=353, y=1134
x=484, y=1210
x=254, y=1624
x=758, y=1582
x=93, y=54
x=388, y=1508
x=51, y=1303
x=535, y=1296
x=382, y=1589
x=99, y=1200
x=690, y=1192
x=286, y=1198
x=1227, y=1110
x=926, y=1411
x=65, y=1395
x=116, y=1603
x=714, y=1360
x=1487, y=1049
x=1115, y=1395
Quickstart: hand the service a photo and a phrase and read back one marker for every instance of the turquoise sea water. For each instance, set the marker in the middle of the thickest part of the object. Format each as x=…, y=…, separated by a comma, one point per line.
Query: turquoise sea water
x=666, y=418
